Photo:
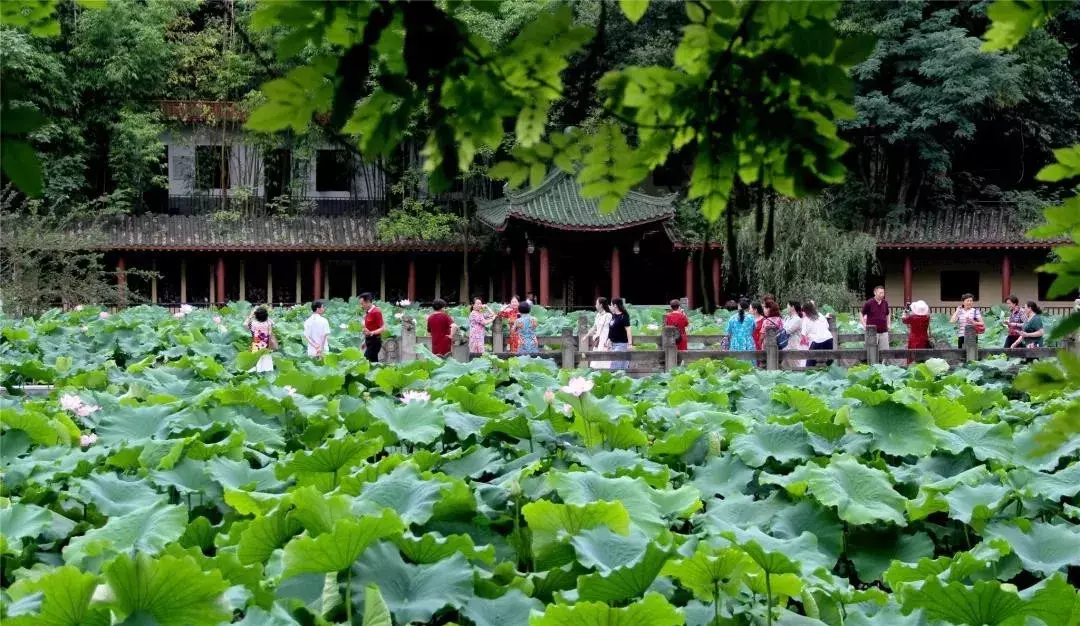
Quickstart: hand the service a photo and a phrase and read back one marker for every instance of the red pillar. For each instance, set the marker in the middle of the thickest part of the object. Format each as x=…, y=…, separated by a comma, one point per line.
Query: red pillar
x=1006, y=277
x=907, y=278
x=528, y=274
x=513, y=280
x=717, y=273
x=317, y=279
x=688, y=281
x=220, y=280
x=544, y=283
x=616, y=273
x=121, y=279
x=410, y=289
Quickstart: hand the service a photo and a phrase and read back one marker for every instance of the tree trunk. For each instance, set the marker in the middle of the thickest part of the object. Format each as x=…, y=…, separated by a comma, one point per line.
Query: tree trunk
x=905, y=179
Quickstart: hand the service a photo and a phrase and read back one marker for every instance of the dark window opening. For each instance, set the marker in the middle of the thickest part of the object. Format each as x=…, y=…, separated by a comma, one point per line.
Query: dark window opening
x=1045, y=280
x=956, y=283
x=333, y=171
x=277, y=173
x=212, y=167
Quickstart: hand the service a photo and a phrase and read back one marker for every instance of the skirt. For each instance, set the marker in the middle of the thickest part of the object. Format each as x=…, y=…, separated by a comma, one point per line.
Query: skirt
x=264, y=364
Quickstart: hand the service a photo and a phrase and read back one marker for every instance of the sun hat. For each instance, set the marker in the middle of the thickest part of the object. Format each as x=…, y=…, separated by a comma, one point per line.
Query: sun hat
x=920, y=308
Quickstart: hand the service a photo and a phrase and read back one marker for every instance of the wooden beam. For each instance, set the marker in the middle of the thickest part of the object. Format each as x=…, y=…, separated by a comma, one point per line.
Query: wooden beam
x=907, y=278
x=545, y=287
x=243, y=283
x=528, y=274
x=221, y=280
x=153, y=281
x=270, y=282
x=616, y=273
x=1006, y=276
x=717, y=275
x=183, y=281
x=410, y=287
x=121, y=279
x=352, y=279
x=688, y=280
x=317, y=281
x=299, y=281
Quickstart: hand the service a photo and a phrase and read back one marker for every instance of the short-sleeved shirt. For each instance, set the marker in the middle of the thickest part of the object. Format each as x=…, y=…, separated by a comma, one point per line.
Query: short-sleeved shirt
x=373, y=319
x=316, y=334
x=679, y=320
x=1016, y=321
x=967, y=317
x=617, y=330
x=877, y=314
x=1030, y=326
x=438, y=326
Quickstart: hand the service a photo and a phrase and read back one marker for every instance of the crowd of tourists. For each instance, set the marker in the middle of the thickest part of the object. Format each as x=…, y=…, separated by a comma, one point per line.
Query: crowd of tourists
x=799, y=327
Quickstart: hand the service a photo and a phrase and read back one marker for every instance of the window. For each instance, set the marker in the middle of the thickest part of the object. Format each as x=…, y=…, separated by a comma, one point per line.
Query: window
x=333, y=171
x=958, y=282
x=212, y=167
x=1045, y=280
x=277, y=173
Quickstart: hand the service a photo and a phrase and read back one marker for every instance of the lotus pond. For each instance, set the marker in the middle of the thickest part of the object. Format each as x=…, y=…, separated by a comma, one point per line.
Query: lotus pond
x=161, y=483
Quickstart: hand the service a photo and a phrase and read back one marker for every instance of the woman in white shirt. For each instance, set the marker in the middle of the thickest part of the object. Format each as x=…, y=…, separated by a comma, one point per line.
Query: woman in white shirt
x=816, y=329
x=598, y=334
x=793, y=324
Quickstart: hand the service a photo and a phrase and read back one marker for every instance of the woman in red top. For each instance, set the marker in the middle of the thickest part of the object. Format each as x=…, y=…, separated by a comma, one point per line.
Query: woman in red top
x=918, y=323
x=510, y=314
x=678, y=319
x=768, y=315
x=441, y=327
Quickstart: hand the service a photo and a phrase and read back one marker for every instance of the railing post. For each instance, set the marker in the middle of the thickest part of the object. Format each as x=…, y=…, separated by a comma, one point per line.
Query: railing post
x=460, y=349
x=408, y=339
x=971, y=344
x=497, y=335
x=832, y=330
x=582, y=330
x=569, y=350
x=669, y=339
x=872, y=355
x=391, y=351
x=772, y=350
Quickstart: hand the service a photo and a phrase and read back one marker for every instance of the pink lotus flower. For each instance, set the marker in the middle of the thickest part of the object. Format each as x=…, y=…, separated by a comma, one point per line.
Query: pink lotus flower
x=577, y=386
x=415, y=396
x=87, y=440
x=217, y=319
x=79, y=307
x=567, y=410
x=549, y=396
x=289, y=389
x=86, y=410
x=103, y=315
x=70, y=402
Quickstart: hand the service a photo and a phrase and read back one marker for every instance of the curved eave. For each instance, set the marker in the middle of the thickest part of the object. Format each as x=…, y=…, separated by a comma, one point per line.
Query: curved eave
x=975, y=245
x=584, y=228
x=285, y=248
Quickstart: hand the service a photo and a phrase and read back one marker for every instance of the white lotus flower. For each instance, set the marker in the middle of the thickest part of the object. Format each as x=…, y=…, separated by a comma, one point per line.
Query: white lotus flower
x=343, y=326
x=85, y=328
x=415, y=396
x=217, y=319
x=86, y=410
x=404, y=303
x=178, y=315
x=78, y=307
x=103, y=315
x=578, y=385
x=289, y=389
x=87, y=440
x=653, y=327
x=70, y=402
x=549, y=396
x=186, y=308
x=399, y=315
x=567, y=410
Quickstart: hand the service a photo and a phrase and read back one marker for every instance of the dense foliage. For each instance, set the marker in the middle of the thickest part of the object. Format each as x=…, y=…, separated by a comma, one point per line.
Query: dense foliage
x=170, y=486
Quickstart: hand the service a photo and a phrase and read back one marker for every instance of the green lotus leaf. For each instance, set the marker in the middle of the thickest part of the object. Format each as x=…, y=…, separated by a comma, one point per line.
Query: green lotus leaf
x=413, y=592
x=550, y=522
x=896, y=429
x=1054, y=601
x=872, y=552
x=1044, y=549
x=316, y=511
x=622, y=462
x=722, y=476
x=126, y=424
x=433, y=547
x=775, y=441
x=809, y=517
x=263, y=535
x=376, y=613
x=240, y=475
x=474, y=463
x=710, y=570
x=482, y=402
x=65, y=599
x=861, y=495
x=1064, y=483
x=987, y=441
x=603, y=549
x=974, y=505
x=625, y=582
x=170, y=591
x=651, y=610
x=647, y=506
x=987, y=602
x=187, y=476
x=403, y=491
x=947, y=413
x=42, y=429
x=803, y=549
x=336, y=550
x=20, y=521
x=324, y=466
x=513, y=608
x=464, y=424
x=418, y=422
x=741, y=511
x=675, y=444
x=310, y=383
x=145, y=530
x=114, y=496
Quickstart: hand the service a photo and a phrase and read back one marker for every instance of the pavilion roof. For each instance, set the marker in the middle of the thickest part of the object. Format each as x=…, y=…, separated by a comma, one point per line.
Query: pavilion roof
x=557, y=203
x=260, y=234
x=991, y=226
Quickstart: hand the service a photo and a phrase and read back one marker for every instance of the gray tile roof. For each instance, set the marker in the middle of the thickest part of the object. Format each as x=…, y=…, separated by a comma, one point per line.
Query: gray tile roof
x=985, y=226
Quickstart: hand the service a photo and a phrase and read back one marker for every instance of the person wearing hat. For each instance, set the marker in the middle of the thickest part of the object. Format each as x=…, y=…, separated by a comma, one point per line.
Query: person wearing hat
x=917, y=319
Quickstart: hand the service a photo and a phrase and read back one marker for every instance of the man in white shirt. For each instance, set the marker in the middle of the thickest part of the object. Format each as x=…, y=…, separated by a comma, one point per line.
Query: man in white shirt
x=317, y=331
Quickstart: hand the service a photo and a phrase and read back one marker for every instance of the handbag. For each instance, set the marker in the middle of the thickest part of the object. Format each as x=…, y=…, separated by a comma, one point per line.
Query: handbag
x=980, y=326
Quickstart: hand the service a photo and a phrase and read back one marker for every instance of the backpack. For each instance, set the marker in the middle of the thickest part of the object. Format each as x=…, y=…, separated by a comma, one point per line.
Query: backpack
x=782, y=336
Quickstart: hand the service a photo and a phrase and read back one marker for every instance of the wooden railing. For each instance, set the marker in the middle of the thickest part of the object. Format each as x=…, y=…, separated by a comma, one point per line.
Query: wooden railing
x=569, y=355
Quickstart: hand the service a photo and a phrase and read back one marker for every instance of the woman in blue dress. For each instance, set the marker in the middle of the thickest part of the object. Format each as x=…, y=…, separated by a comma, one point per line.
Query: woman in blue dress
x=740, y=328
x=526, y=328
